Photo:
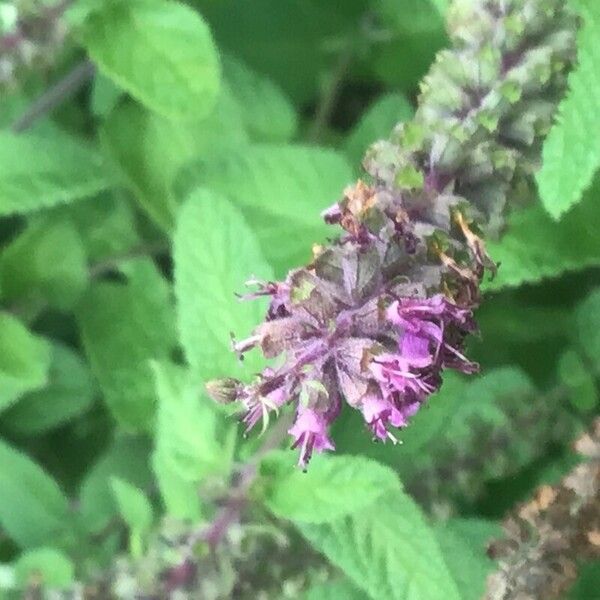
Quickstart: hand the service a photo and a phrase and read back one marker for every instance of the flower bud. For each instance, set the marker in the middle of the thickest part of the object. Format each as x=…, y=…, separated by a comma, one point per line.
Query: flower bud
x=225, y=390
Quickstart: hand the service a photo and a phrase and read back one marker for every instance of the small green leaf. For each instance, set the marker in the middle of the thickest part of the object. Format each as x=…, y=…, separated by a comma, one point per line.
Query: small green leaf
x=24, y=360
x=587, y=329
x=571, y=155
x=33, y=509
x=69, y=393
x=39, y=172
x=267, y=113
x=215, y=252
x=105, y=96
x=575, y=375
x=124, y=326
x=409, y=178
x=162, y=53
x=190, y=444
x=46, y=263
x=127, y=460
x=45, y=566
x=388, y=551
x=134, y=506
x=334, y=486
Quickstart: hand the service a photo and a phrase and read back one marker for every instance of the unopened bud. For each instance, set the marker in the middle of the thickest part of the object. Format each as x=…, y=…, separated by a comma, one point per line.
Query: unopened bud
x=223, y=391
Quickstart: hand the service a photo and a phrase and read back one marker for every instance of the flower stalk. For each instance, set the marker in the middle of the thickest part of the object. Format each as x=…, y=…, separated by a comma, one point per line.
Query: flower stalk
x=378, y=314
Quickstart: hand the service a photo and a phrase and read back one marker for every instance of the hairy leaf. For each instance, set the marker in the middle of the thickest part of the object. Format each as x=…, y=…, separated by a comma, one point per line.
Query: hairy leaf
x=267, y=113
x=389, y=551
x=38, y=172
x=215, y=252
x=536, y=247
x=571, y=154
x=162, y=53
x=334, y=486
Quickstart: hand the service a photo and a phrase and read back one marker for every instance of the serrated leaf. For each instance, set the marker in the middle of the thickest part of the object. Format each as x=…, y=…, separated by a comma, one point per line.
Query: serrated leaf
x=388, y=551
x=70, y=392
x=536, y=247
x=45, y=264
x=127, y=459
x=24, y=360
x=134, y=506
x=38, y=172
x=33, y=509
x=570, y=154
x=267, y=113
x=149, y=150
x=188, y=443
x=215, y=252
x=463, y=543
x=334, y=486
x=376, y=123
x=281, y=190
x=47, y=566
x=124, y=326
x=162, y=53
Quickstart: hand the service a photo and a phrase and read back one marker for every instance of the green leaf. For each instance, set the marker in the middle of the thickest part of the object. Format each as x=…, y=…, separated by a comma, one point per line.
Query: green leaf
x=38, y=172
x=106, y=225
x=571, y=155
x=69, y=393
x=587, y=329
x=267, y=113
x=576, y=377
x=162, y=53
x=377, y=122
x=24, y=360
x=149, y=150
x=127, y=460
x=388, y=551
x=46, y=263
x=285, y=41
x=105, y=96
x=334, y=486
x=188, y=443
x=134, y=506
x=124, y=326
x=33, y=509
x=45, y=566
x=463, y=543
x=334, y=590
x=215, y=252
x=281, y=191
x=536, y=247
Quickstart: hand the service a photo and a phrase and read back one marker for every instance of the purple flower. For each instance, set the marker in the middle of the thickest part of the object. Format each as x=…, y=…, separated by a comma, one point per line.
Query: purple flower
x=310, y=434
x=365, y=323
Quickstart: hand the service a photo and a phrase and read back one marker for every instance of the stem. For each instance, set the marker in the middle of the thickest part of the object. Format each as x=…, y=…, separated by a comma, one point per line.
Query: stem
x=214, y=534
x=55, y=96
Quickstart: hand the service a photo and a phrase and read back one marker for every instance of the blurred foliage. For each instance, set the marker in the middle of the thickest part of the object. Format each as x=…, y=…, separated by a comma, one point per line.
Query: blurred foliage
x=200, y=154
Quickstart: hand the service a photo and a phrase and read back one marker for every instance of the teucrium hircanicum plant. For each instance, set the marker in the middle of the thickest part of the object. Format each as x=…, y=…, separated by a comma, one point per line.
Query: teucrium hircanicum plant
x=384, y=309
